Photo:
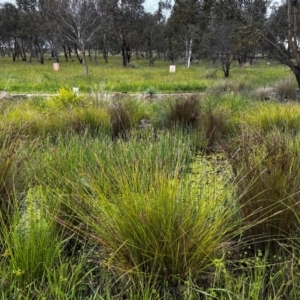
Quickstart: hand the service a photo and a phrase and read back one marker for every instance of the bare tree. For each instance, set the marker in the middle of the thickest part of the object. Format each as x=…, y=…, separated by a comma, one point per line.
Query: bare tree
x=75, y=21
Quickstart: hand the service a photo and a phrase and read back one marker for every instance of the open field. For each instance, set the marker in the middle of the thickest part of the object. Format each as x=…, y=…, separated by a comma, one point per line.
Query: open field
x=20, y=77
x=193, y=197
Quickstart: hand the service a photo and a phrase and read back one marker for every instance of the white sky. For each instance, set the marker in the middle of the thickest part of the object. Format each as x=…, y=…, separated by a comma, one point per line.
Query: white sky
x=150, y=5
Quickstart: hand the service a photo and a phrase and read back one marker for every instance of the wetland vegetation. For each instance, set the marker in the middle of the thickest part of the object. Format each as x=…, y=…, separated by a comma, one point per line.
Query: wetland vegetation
x=192, y=197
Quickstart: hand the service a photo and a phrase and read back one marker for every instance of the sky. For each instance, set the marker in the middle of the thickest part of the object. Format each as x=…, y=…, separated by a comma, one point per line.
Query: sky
x=150, y=5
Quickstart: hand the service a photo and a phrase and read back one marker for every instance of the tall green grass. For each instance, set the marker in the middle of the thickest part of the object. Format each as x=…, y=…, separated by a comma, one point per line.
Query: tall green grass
x=149, y=214
x=136, y=202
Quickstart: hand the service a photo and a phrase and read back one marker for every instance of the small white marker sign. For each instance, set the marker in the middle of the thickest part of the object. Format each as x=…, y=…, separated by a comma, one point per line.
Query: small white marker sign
x=172, y=69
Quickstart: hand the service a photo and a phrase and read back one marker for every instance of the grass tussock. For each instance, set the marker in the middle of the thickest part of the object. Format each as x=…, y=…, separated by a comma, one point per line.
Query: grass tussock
x=264, y=93
x=125, y=114
x=162, y=228
x=285, y=89
x=183, y=112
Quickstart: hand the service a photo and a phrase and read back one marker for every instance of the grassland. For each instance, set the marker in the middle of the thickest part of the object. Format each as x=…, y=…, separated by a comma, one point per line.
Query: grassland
x=193, y=197
x=25, y=77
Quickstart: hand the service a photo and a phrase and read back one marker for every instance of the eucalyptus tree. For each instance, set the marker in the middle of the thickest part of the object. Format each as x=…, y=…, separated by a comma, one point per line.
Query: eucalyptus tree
x=104, y=37
x=127, y=25
x=275, y=26
x=32, y=27
x=189, y=20
x=281, y=36
x=220, y=47
x=152, y=35
x=9, y=28
x=74, y=21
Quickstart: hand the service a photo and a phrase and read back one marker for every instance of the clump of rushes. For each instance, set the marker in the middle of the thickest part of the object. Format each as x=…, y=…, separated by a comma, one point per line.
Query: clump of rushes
x=183, y=111
x=94, y=119
x=126, y=114
x=147, y=215
x=32, y=260
x=267, y=174
x=285, y=89
x=215, y=124
x=66, y=98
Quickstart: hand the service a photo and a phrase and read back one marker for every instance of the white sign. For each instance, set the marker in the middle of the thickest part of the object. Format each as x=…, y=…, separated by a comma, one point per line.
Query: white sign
x=75, y=90
x=172, y=69
x=56, y=66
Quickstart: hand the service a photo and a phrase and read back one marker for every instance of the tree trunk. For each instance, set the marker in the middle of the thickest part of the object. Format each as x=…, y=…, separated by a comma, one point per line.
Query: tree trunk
x=151, y=60
x=242, y=59
x=65, y=52
x=296, y=72
x=128, y=54
x=39, y=52
x=23, y=52
x=77, y=55
x=124, y=56
x=95, y=57
x=70, y=52
x=85, y=66
x=89, y=53
x=105, y=50
x=188, y=49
